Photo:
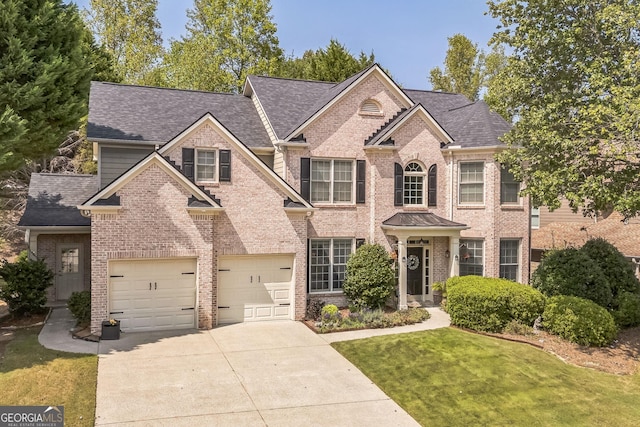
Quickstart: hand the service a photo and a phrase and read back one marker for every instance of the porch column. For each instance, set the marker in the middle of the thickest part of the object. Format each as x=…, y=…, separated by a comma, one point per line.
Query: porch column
x=454, y=266
x=402, y=273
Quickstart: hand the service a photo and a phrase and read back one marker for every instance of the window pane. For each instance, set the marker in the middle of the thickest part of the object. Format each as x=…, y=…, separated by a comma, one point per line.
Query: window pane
x=343, y=180
x=535, y=217
x=509, y=187
x=471, y=257
x=70, y=260
x=319, y=263
x=320, y=180
x=413, y=189
x=205, y=165
x=341, y=253
x=471, y=186
x=509, y=259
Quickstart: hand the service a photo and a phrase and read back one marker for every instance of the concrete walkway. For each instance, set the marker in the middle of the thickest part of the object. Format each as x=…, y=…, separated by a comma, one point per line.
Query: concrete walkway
x=56, y=333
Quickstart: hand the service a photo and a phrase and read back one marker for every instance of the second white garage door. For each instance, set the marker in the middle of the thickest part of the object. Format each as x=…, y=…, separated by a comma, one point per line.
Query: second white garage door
x=252, y=288
x=151, y=295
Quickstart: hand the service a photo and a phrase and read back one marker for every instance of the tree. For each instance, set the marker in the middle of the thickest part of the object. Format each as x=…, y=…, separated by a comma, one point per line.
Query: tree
x=333, y=64
x=370, y=279
x=573, y=85
x=130, y=32
x=463, y=69
x=226, y=41
x=44, y=78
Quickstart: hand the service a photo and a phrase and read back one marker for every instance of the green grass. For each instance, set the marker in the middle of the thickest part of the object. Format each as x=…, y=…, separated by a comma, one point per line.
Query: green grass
x=455, y=378
x=33, y=375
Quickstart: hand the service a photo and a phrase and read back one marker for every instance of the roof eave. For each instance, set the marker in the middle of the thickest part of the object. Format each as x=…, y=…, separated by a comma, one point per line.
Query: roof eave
x=124, y=141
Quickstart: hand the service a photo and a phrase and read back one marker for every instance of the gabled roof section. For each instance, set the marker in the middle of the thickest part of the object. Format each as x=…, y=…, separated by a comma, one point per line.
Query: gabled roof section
x=421, y=220
x=386, y=131
x=242, y=148
x=52, y=200
x=152, y=115
x=98, y=200
x=475, y=125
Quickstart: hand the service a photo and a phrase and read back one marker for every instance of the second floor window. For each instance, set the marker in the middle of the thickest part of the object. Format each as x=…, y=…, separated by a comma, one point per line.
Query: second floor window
x=206, y=165
x=509, y=187
x=332, y=181
x=471, y=183
x=413, y=184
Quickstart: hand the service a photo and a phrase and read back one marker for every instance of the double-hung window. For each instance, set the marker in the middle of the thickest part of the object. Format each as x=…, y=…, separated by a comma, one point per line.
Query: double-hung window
x=206, y=165
x=471, y=183
x=332, y=181
x=413, y=184
x=471, y=257
x=509, y=259
x=328, y=263
x=509, y=187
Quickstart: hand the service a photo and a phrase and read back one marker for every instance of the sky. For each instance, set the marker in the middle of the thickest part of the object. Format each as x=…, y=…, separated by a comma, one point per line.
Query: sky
x=408, y=37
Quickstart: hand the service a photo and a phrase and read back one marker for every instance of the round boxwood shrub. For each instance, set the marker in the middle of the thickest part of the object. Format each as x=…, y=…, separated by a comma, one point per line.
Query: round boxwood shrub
x=572, y=272
x=627, y=314
x=579, y=320
x=615, y=266
x=369, y=280
x=26, y=282
x=488, y=305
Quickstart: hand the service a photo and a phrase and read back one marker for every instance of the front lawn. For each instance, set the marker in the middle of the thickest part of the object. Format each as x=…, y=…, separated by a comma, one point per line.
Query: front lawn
x=455, y=378
x=33, y=375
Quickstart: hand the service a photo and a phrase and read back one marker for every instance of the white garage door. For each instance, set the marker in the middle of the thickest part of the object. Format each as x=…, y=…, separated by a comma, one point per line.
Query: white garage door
x=153, y=294
x=254, y=288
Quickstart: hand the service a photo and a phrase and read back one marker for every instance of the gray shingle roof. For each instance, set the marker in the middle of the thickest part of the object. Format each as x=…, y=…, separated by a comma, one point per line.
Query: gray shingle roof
x=53, y=198
x=420, y=219
x=151, y=114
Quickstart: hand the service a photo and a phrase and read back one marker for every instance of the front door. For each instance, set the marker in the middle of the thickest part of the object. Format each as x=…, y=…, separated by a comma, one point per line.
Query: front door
x=414, y=271
x=70, y=275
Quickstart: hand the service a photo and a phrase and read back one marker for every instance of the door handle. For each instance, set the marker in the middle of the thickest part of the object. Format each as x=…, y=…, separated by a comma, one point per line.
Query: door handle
x=258, y=278
x=149, y=285
x=251, y=281
x=156, y=283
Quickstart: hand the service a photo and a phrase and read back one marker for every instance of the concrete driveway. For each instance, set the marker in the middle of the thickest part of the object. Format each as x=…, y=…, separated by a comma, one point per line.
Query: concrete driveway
x=253, y=374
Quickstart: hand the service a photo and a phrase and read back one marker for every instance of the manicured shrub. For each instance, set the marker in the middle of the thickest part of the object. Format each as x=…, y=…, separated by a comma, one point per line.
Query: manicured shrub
x=370, y=279
x=579, y=320
x=79, y=304
x=314, y=309
x=488, y=305
x=616, y=268
x=627, y=314
x=25, y=285
x=572, y=272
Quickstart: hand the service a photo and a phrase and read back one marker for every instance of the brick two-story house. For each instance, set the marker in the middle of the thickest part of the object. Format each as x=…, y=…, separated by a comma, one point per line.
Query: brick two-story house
x=213, y=208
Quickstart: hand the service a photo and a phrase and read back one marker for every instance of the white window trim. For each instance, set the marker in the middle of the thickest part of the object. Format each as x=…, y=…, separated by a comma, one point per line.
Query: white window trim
x=460, y=184
x=484, y=258
x=331, y=289
x=378, y=113
x=216, y=169
x=332, y=181
x=422, y=174
x=517, y=264
x=535, y=212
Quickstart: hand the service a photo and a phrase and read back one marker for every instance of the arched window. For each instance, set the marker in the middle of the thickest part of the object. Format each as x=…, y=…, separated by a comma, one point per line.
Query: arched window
x=413, y=184
x=432, y=184
x=370, y=107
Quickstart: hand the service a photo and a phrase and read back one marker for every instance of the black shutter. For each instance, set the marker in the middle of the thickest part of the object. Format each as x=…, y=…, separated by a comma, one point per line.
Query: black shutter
x=361, y=174
x=187, y=162
x=360, y=242
x=305, y=178
x=398, y=182
x=225, y=165
x=432, y=186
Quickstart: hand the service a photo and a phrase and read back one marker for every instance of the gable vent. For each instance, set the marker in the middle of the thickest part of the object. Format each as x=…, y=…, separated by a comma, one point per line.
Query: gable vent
x=370, y=107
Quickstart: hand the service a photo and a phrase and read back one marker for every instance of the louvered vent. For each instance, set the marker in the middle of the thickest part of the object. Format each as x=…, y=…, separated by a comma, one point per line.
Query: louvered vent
x=370, y=107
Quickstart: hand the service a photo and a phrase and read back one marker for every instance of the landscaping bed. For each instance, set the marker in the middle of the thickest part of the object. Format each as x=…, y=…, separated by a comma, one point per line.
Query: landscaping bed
x=344, y=320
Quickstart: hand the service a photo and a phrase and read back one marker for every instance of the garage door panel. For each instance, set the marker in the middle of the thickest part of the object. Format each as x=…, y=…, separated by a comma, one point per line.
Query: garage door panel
x=150, y=295
x=254, y=288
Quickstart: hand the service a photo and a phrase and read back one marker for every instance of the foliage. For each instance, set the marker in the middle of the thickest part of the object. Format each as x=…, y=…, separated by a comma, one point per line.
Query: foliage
x=372, y=319
x=572, y=272
x=462, y=69
x=370, y=279
x=44, y=78
x=79, y=304
x=615, y=266
x=573, y=84
x=627, y=314
x=26, y=282
x=332, y=64
x=129, y=31
x=486, y=381
x=579, y=320
x=488, y=304
x=314, y=309
x=515, y=327
x=226, y=41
